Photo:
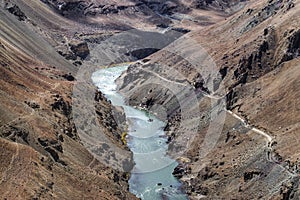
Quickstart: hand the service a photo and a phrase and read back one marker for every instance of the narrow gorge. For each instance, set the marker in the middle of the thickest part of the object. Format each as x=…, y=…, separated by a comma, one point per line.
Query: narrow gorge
x=136, y=99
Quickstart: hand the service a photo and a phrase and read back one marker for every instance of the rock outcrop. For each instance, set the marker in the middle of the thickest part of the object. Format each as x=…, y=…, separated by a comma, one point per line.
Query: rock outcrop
x=257, y=54
x=80, y=49
x=15, y=10
x=42, y=156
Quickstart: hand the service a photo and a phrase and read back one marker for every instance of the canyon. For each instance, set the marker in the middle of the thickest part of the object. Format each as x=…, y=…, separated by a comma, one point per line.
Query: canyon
x=222, y=75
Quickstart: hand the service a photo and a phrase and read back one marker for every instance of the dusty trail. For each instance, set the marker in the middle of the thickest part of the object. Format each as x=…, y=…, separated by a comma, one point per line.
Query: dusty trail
x=11, y=164
x=18, y=119
x=41, y=95
x=256, y=130
x=162, y=78
x=270, y=140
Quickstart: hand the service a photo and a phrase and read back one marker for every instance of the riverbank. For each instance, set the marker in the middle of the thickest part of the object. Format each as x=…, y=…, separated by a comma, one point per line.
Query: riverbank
x=151, y=177
x=240, y=157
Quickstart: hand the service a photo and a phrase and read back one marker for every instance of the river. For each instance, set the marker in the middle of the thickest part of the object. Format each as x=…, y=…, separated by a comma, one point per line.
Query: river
x=151, y=178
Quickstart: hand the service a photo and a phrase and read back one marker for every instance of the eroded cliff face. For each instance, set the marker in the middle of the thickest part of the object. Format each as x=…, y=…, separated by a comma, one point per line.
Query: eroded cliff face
x=141, y=13
x=75, y=9
x=256, y=54
x=255, y=59
x=42, y=155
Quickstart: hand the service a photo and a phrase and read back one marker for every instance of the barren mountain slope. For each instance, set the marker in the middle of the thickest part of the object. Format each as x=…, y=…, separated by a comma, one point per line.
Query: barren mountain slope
x=42, y=156
x=43, y=43
x=256, y=53
x=146, y=14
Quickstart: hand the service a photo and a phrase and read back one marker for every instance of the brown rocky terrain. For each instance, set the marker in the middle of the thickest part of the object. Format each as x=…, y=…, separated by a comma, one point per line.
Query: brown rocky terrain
x=42, y=156
x=41, y=153
x=254, y=49
x=256, y=53
x=42, y=45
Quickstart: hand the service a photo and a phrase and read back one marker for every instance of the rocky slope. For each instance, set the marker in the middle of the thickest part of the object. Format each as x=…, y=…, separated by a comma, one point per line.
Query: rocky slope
x=42, y=46
x=42, y=155
x=253, y=62
x=146, y=14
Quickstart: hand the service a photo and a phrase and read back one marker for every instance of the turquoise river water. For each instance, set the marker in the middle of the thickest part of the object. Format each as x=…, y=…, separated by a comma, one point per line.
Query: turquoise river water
x=151, y=177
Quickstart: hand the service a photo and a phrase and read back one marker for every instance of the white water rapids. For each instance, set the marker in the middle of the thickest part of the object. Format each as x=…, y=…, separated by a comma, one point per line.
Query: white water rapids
x=151, y=177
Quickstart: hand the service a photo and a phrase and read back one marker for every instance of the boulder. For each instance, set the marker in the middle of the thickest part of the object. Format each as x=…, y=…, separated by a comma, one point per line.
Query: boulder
x=80, y=49
x=15, y=10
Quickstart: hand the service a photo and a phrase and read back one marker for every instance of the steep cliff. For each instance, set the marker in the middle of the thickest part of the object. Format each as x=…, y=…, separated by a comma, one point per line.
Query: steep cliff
x=250, y=61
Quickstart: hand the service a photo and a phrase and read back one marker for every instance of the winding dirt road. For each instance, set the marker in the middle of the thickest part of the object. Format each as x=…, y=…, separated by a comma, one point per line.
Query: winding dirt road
x=269, y=139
